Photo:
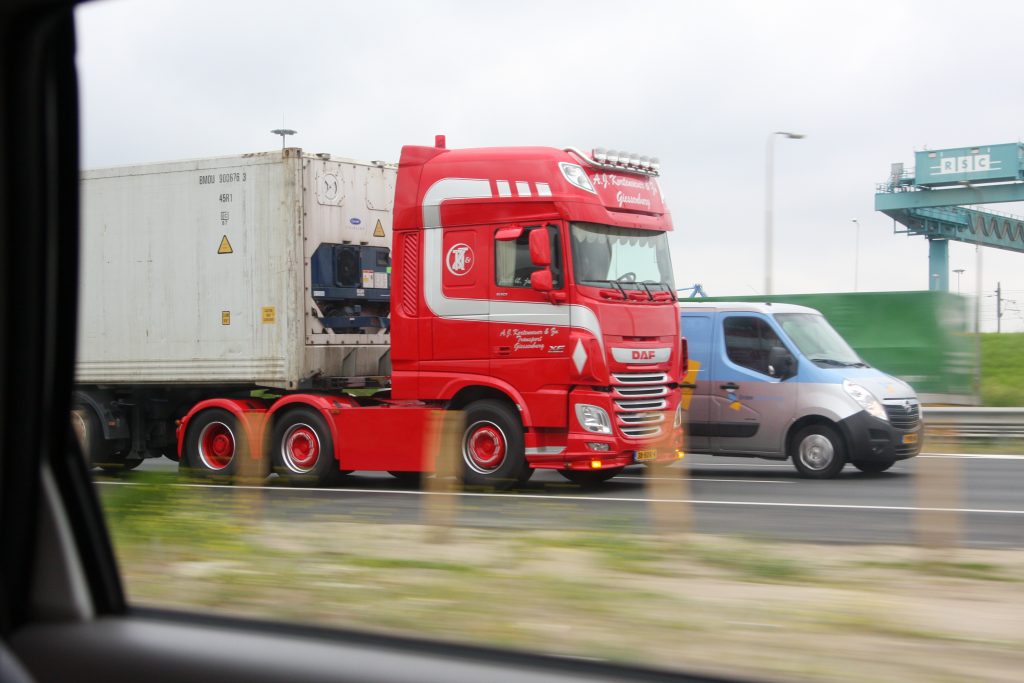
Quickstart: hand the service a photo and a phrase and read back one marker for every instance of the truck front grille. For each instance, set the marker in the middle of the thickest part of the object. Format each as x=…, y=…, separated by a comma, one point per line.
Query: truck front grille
x=640, y=403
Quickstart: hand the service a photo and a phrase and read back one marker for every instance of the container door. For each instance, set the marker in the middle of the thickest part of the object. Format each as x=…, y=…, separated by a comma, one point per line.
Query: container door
x=751, y=409
x=696, y=392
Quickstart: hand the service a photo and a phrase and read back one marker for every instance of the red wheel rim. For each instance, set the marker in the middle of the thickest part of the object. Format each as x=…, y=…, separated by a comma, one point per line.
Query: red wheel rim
x=485, y=447
x=300, y=448
x=216, y=445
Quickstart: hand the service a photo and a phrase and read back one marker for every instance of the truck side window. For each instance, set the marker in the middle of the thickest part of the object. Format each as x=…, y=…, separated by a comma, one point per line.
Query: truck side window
x=512, y=265
x=748, y=341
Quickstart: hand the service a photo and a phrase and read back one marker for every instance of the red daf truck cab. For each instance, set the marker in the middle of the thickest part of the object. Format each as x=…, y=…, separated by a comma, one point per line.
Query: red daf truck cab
x=532, y=288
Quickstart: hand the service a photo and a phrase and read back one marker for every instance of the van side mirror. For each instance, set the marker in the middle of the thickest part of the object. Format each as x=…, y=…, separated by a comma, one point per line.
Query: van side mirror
x=540, y=280
x=781, y=363
x=540, y=248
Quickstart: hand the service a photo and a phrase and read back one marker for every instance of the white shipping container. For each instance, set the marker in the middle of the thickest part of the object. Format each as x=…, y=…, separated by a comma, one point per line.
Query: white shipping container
x=198, y=272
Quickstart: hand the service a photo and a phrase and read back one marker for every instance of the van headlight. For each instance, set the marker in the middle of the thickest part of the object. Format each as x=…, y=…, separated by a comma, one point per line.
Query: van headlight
x=865, y=399
x=593, y=418
x=678, y=422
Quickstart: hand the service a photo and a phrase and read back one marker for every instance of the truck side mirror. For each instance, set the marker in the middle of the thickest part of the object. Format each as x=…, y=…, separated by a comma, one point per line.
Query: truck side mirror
x=540, y=249
x=541, y=280
x=781, y=363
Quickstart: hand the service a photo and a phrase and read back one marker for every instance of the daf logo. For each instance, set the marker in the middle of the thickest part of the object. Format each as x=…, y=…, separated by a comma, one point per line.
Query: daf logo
x=459, y=259
x=642, y=356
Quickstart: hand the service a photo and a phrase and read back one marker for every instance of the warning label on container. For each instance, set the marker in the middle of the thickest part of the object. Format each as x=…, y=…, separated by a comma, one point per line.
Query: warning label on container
x=225, y=246
x=378, y=230
x=225, y=317
x=268, y=314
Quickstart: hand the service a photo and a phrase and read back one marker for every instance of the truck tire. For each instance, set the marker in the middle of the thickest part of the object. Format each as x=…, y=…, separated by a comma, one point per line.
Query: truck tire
x=213, y=444
x=493, y=451
x=818, y=452
x=96, y=449
x=303, y=450
x=86, y=428
x=589, y=478
x=874, y=466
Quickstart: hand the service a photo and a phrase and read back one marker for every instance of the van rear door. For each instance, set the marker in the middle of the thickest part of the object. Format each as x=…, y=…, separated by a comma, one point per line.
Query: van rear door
x=699, y=330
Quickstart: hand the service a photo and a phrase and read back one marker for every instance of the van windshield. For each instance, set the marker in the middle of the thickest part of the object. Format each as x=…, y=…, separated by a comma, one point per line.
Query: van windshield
x=817, y=340
x=621, y=258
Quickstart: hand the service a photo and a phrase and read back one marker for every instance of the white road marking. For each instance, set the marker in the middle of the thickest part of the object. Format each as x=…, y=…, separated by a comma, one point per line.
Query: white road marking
x=612, y=499
x=738, y=464
x=977, y=456
x=739, y=481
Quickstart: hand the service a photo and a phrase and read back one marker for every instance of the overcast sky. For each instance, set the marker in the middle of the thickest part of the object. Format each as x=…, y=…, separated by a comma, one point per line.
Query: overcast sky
x=701, y=85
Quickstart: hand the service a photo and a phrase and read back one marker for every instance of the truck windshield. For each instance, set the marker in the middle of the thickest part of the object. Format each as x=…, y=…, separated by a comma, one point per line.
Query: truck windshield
x=817, y=340
x=621, y=258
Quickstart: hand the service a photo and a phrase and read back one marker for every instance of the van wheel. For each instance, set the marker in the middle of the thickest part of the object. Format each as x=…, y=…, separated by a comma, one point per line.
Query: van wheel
x=493, y=451
x=588, y=478
x=303, y=449
x=818, y=452
x=213, y=444
x=874, y=466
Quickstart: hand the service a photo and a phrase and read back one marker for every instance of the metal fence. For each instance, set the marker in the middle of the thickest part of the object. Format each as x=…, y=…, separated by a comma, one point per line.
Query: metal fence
x=972, y=424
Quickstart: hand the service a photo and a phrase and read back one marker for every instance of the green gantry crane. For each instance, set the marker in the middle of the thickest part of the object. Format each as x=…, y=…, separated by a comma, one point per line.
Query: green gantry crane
x=943, y=199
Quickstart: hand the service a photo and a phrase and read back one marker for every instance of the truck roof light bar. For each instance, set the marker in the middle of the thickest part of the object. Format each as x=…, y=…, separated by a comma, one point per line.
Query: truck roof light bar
x=619, y=161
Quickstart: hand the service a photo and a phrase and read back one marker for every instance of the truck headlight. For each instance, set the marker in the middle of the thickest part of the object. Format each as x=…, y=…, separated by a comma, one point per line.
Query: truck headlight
x=678, y=422
x=593, y=418
x=865, y=399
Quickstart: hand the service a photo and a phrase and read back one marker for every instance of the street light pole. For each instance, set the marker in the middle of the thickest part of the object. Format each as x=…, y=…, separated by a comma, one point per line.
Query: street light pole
x=856, y=256
x=768, y=200
x=284, y=133
x=959, y=272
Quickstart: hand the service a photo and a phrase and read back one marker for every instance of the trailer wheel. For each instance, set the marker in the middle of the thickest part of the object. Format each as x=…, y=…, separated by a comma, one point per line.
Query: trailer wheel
x=818, y=452
x=303, y=449
x=213, y=444
x=493, y=453
x=588, y=478
x=96, y=450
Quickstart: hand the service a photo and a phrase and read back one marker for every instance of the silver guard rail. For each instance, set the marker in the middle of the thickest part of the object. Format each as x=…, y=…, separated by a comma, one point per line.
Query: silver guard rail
x=975, y=423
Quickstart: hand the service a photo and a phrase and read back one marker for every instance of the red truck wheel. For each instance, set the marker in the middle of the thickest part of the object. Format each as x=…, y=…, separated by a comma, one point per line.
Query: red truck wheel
x=493, y=453
x=303, y=449
x=212, y=444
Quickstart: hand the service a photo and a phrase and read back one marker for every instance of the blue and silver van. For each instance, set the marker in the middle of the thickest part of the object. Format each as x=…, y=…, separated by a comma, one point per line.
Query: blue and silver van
x=777, y=381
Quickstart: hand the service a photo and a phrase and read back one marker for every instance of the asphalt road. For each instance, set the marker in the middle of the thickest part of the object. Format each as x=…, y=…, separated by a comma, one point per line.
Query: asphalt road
x=755, y=498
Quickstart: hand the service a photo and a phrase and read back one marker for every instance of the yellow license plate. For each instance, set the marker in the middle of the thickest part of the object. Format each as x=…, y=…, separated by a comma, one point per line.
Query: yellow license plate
x=649, y=454
x=910, y=438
